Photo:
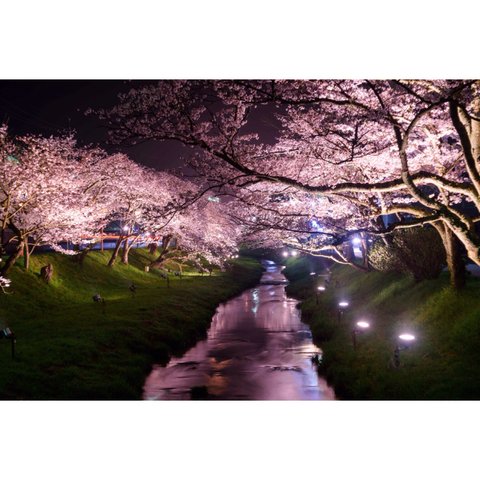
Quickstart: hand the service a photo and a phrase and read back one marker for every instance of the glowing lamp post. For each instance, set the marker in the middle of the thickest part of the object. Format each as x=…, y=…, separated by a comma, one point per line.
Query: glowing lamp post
x=321, y=288
x=360, y=327
x=341, y=308
x=405, y=340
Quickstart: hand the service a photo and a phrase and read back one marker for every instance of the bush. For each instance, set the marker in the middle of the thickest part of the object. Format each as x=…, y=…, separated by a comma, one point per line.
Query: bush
x=418, y=252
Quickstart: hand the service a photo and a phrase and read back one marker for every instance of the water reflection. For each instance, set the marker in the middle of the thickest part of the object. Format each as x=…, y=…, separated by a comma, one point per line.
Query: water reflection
x=257, y=348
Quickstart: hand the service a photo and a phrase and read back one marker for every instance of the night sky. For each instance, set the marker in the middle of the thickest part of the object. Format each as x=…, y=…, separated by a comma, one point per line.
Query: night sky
x=48, y=107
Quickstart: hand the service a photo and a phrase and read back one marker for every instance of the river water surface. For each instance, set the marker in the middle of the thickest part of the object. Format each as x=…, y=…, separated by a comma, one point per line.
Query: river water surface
x=256, y=349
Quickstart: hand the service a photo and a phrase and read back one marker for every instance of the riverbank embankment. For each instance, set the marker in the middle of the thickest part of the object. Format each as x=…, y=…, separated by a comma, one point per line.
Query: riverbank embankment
x=71, y=347
x=442, y=363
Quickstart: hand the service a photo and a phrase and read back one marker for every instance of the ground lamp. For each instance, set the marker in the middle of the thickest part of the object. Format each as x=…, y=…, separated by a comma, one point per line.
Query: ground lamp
x=341, y=308
x=9, y=335
x=360, y=327
x=403, y=343
x=357, y=241
x=321, y=288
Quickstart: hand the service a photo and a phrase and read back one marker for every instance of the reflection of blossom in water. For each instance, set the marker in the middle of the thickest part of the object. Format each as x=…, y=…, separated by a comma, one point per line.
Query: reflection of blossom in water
x=256, y=301
x=256, y=348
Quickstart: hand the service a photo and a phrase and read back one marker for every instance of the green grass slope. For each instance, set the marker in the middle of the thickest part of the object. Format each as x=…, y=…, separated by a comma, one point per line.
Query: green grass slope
x=443, y=363
x=69, y=347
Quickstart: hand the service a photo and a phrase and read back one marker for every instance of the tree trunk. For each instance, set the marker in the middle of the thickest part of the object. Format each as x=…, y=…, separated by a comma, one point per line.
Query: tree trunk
x=26, y=256
x=127, y=246
x=455, y=262
x=114, y=256
x=453, y=253
x=365, y=251
x=83, y=254
x=12, y=259
x=166, y=240
x=125, y=251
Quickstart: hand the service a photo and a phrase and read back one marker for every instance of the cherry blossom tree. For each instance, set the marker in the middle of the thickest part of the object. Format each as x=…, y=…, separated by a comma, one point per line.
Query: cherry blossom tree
x=408, y=148
x=204, y=230
x=52, y=191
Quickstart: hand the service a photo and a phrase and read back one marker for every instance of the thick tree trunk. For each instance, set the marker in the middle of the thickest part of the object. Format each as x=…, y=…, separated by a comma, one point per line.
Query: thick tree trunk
x=455, y=262
x=114, y=256
x=125, y=251
x=127, y=246
x=365, y=251
x=166, y=240
x=468, y=237
x=453, y=253
x=12, y=259
x=83, y=254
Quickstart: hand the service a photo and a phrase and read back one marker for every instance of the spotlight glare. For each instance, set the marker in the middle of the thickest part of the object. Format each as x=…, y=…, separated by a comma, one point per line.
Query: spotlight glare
x=363, y=324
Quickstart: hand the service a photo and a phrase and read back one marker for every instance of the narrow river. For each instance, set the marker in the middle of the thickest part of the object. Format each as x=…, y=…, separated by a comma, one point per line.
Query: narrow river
x=257, y=348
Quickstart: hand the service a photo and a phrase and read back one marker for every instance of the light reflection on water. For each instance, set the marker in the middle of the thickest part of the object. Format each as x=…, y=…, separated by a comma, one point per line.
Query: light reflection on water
x=256, y=348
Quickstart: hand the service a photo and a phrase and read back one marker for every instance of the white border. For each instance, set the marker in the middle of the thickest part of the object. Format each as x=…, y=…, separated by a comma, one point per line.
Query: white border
x=249, y=39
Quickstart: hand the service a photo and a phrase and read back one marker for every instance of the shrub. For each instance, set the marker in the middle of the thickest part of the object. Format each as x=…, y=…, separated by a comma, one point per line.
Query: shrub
x=418, y=252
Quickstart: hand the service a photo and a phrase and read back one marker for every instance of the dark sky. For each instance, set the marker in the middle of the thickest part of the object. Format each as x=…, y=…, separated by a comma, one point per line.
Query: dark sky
x=50, y=106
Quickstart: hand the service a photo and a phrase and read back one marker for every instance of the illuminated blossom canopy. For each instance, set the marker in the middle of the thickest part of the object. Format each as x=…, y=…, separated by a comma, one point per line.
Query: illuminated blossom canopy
x=54, y=191
x=349, y=151
x=345, y=154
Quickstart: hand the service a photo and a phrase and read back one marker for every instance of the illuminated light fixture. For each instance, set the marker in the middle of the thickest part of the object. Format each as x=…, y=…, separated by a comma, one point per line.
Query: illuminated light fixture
x=363, y=324
x=285, y=253
x=214, y=199
x=313, y=273
x=360, y=327
x=294, y=253
x=357, y=241
x=406, y=339
x=341, y=307
x=125, y=228
x=320, y=288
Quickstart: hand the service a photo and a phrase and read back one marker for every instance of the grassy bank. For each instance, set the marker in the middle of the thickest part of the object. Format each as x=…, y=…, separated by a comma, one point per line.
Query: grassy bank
x=70, y=347
x=444, y=362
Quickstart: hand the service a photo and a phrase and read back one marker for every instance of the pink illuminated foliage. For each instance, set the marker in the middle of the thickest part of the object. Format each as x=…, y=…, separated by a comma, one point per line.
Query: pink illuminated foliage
x=53, y=192
x=369, y=148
